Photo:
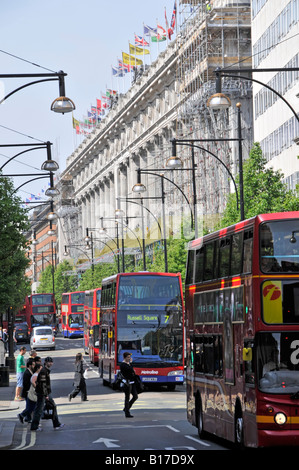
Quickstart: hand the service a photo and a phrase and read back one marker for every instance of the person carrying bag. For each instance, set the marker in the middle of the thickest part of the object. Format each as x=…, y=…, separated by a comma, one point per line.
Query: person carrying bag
x=129, y=389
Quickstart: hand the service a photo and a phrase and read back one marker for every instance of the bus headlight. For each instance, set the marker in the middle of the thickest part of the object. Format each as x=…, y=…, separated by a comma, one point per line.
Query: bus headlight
x=175, y=372
x=280, y=418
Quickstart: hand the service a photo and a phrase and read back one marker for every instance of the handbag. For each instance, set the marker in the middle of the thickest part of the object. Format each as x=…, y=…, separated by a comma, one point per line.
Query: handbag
x=32, y=394
x=48, y=410
x=139, y=384
x=120, y=382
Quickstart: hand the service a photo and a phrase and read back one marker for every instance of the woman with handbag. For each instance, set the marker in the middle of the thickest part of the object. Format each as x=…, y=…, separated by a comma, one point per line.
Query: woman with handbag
x=79, y=380
x=129, y=389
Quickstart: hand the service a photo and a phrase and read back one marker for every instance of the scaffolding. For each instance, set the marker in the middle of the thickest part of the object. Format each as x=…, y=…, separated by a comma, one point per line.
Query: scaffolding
x=213, y=34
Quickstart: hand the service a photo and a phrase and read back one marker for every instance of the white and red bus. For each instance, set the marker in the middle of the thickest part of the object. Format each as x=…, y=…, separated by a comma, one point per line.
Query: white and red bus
x=242, y=331
x=40, y=310
x=143, y=313
x=72, y=316
x=92, y=304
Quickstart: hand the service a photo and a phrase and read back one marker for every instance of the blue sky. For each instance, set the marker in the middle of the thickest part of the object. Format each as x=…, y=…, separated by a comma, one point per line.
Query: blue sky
x=84, y=39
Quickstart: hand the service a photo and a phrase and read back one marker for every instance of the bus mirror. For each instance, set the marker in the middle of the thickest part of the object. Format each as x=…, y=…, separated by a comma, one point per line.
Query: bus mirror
x=247, y=354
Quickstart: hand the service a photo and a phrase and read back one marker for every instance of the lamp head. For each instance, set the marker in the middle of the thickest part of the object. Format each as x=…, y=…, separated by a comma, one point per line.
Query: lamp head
x=219, y=101
x=52, y=192
x=50, y=165
x=52, y=216
x=139, y=188
x=63, y=105
x=174, y=163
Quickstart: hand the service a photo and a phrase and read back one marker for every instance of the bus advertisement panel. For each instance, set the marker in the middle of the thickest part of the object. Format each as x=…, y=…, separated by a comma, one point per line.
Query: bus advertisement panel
x=40, y=310
x=143, y=313
x=72, y=307
x=92, y=305
x=242, y=331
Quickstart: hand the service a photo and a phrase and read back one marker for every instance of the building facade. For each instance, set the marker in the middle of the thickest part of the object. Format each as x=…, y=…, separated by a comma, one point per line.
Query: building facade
x=275, y=30
x=167, y=101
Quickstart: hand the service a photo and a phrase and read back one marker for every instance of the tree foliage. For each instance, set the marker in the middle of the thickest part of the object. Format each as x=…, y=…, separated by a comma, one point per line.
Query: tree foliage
x=63, y=282
x=264, y=190
x=13, y=260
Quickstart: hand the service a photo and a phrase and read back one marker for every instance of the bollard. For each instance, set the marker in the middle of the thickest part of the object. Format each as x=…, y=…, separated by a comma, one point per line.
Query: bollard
x=4, y=376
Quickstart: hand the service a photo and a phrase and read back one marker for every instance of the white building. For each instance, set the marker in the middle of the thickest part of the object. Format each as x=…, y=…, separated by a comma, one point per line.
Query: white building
x=167, y=101
x=275, y=40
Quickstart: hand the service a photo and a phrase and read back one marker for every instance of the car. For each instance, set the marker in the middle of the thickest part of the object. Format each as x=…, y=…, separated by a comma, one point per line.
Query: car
x=42, y=337
x=22, y=333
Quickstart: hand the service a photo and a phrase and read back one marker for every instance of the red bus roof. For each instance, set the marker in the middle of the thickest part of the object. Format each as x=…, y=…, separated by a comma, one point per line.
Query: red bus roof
x=139, y=273
x=75, y=292
x=243, y=224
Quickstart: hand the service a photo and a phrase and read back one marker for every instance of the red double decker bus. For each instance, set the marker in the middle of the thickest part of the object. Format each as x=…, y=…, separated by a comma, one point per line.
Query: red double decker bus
x=143, y=313
x=72, y=316
x=242, y=329
x=40, y=310
x=92, y=304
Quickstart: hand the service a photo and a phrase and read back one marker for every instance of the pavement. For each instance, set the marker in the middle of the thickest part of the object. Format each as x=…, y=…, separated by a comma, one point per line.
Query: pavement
x=7, y=403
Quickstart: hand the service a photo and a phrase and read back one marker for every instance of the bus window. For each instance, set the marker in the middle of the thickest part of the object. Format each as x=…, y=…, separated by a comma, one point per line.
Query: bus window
x=279, y=248
x=208, y=355
x=190, y=267
x=199, y=264
x=237, y=248
x=247, y=251
x=224, y=257
x=248, y=364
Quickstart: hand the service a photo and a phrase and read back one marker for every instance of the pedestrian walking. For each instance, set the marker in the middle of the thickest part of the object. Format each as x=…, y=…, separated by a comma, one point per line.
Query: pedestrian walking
x=128, y=373
x=15, y=342
x=33, y=353
x=29, y=373
x=21, y=367
x=79, y=380
x=43, y=392
x=5, y=339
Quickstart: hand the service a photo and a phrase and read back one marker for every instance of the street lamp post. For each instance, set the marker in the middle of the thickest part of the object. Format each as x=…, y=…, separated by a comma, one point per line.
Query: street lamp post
x=49, y=165
x=220, y=101
x=62, y=104
x=120, y=213
x=214, y=101
x=175, y=164
x=103, y=230
x=117, y=221
x=139, y=188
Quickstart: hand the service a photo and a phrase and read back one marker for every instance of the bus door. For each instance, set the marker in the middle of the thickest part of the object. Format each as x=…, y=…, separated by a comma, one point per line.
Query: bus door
x=249, y=376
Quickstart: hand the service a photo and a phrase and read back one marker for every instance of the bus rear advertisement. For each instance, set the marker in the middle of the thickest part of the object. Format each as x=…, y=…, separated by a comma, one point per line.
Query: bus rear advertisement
x=242, y=332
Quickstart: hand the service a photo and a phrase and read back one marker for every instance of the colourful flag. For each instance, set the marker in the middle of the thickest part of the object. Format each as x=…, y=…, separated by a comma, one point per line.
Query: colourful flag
x=169, y=30
x=138, y=50
x=99, y=104
x=125, y=67
x=160, y=35
x=131, y=60
x=118, y=72
x=139, y=41
x=110, y=92
x=158, y=38
x=149, y=31
x=173, y=18
x=75, y=123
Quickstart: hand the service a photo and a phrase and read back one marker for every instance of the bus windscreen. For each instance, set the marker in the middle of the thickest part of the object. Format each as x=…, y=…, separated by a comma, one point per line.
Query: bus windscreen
x=149, y=321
